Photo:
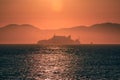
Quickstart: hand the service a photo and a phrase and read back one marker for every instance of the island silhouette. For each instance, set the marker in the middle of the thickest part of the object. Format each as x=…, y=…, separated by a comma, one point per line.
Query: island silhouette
x=59, y=40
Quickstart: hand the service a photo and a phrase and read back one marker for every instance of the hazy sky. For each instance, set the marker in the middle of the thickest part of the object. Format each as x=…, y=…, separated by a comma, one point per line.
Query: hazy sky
x=52, y=14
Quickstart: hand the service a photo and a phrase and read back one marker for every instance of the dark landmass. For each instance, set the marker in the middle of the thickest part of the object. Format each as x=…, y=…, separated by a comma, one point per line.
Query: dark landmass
x=19, y=34
x=104, y=33
x=59, y=40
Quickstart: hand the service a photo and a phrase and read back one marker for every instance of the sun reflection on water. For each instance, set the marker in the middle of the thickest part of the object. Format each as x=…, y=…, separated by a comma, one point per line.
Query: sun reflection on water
x=53, y=66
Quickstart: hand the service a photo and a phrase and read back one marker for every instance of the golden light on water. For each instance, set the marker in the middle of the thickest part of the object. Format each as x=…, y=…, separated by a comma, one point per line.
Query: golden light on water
x=53, y=66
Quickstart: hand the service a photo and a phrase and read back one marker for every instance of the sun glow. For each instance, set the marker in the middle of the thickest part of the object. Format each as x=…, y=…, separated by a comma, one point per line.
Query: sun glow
x=57, y=5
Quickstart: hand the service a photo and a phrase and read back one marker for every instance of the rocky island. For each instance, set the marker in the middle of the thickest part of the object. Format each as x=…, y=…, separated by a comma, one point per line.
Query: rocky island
x=59, y=40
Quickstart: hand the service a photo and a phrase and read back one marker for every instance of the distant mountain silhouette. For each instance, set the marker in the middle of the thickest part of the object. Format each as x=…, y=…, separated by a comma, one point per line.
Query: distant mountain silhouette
x=16, y=26
x=102, y=26
x=16, y=34
x=104, y=33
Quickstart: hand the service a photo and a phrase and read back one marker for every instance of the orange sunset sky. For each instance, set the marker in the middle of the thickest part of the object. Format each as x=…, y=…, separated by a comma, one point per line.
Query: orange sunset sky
x=54, y=14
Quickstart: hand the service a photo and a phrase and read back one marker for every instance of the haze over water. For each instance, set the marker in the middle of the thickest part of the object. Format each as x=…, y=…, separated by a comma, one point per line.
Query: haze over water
x=35, y=62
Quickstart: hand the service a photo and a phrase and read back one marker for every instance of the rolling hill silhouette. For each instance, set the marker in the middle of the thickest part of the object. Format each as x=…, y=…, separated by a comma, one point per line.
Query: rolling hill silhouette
x=19, y=34
x=104, y=33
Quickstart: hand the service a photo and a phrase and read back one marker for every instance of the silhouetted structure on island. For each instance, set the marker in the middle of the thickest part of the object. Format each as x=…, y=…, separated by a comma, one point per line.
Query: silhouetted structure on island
x=91, y=42
x=59, y=40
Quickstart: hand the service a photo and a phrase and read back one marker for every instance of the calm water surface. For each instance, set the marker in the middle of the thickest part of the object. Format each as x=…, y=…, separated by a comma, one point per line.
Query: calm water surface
x=84, y=62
